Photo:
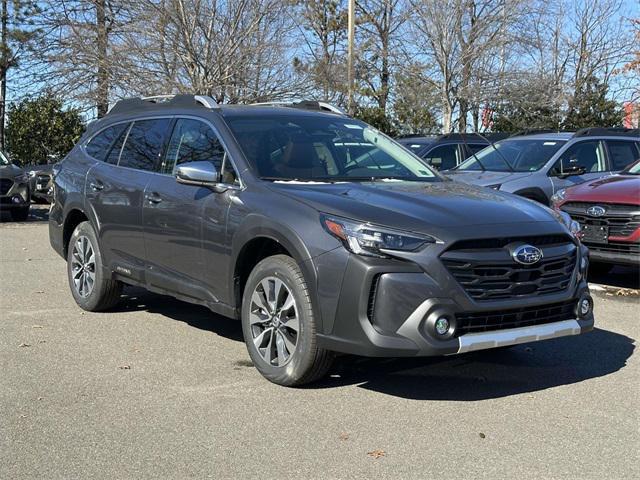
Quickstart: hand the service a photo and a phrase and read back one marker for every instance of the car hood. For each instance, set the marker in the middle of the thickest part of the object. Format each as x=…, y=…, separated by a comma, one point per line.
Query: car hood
x=613, y=189
x=417, y=206
x=484, y=178
x=10, y=171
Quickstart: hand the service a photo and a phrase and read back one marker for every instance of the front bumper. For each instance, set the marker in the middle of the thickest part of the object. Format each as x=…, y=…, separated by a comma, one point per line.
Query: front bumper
x=387, y=308
x=17, y=197
x=628, y=254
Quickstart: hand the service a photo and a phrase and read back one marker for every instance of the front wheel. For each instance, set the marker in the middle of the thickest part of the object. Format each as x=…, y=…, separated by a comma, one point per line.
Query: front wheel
x=91, y=289
x=279, y=325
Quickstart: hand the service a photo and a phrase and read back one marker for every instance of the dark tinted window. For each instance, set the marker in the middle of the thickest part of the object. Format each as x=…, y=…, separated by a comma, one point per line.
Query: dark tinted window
x=99, y=145
x=116, y=148
x=476, y=147
x=144, y=144
x=622, y=153
x=443, y=157
x=193, y=141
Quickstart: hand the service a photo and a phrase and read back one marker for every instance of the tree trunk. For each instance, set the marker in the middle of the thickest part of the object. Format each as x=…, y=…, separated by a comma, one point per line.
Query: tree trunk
x=102, y=74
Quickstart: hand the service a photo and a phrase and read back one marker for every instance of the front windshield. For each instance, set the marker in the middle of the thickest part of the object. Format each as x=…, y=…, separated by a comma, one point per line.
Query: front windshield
x=323, y=148
x=3, y=160
x=513, y=155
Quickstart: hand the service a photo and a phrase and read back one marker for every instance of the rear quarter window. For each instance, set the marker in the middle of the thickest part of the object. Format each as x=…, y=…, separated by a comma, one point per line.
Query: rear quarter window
x=99, y=145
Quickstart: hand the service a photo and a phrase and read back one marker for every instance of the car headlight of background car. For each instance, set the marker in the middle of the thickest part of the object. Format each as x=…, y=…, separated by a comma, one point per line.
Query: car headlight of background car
x=372, y=240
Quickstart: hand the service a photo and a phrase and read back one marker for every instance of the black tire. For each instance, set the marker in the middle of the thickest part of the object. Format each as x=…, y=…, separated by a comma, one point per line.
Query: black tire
x=104, y=292
x=20, y=214
x=307, y=363
x=597, y=268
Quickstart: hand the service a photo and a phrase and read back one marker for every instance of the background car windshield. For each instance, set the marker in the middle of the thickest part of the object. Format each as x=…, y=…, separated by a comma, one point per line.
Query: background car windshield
x=519, y=155
x=3, y=160
x=324, y=148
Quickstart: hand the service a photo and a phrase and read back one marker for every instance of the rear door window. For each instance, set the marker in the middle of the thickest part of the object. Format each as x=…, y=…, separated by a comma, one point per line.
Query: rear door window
x=475, y=148
x=622, y=153
x=443, y=157
x=98, y=147
x=144, y=144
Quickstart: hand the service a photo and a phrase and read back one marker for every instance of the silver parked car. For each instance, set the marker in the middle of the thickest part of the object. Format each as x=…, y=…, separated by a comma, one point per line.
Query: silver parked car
x=538, y=165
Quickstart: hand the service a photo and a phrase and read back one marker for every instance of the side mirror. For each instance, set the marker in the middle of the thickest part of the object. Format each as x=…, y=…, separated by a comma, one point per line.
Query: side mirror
x=203, y=174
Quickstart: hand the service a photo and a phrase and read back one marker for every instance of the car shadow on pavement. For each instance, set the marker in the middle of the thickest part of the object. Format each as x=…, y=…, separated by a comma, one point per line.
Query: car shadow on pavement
x=37, y=213
x=468, y=377
x=619, y=276
x=139, y=299
x=488, y=374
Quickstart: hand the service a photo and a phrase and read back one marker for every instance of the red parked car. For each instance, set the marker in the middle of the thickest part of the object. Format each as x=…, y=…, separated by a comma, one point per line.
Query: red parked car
x=608, y=210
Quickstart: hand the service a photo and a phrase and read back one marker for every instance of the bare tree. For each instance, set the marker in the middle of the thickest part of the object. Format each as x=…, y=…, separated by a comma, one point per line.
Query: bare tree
x=379, y=23
x=233, y=51
x=323, y=30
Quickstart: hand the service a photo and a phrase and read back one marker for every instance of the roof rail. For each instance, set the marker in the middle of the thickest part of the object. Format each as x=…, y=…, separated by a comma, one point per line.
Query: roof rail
x=473, y=135
x=305, y=105
x=139, y=103
x=536, y=131
x=416, y=135
x=612, y=132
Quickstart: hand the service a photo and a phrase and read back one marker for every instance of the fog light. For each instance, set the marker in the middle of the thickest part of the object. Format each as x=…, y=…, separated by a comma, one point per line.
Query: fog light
x=442, y=325
x=584, y=307
x=16, y=199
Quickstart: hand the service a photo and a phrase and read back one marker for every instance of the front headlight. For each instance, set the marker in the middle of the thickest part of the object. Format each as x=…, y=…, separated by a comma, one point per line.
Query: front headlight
x=372, y=240
x=567, y=221
x=558, y=197
x=32, y=173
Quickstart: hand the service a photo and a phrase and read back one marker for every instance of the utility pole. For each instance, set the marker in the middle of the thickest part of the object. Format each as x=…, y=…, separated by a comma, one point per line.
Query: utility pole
x=350, y=39
x=4, y=54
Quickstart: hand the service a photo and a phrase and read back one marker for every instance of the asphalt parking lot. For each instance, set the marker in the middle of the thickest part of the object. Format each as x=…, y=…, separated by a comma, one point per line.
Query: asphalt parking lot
x=164, y=389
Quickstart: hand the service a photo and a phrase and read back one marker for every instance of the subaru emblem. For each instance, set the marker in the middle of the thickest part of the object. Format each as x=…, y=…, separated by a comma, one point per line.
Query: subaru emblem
x=596, y=211
x=527, y=254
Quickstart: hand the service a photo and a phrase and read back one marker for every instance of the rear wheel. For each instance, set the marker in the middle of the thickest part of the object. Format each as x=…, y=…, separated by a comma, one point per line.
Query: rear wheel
x=279, y=326
x=90, y=288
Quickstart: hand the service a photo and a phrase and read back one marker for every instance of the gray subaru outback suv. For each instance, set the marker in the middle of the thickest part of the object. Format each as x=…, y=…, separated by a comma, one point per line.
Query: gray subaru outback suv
x=538, y=165
x=315, y=230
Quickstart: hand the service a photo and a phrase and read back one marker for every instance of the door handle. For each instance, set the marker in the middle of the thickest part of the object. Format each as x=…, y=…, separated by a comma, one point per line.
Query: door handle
x=153, y=198
x=96, y=186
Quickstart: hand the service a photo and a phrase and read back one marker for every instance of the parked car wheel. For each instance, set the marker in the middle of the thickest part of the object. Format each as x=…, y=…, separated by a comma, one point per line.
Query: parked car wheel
x=279, y=325
x=91, y=290
x=20, y=214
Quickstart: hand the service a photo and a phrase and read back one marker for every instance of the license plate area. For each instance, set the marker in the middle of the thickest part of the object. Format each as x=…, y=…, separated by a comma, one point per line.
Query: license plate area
x=595, y=233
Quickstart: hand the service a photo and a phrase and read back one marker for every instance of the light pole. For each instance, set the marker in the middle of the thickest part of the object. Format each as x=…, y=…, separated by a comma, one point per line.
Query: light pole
x=350, y=40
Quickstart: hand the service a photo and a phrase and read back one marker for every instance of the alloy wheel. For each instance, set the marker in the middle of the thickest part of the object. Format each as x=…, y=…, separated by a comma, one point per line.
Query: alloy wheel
x=83, y=266
x=274, y=321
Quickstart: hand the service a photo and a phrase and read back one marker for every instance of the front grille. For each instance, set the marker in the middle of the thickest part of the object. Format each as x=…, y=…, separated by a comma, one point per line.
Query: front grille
x=492, y=274
x=5, y=185
x=622, y=220
x=514, y=318
x=615, y=247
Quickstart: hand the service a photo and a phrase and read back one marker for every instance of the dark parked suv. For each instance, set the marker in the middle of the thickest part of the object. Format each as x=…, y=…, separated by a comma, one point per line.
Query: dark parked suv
x=317, y=231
